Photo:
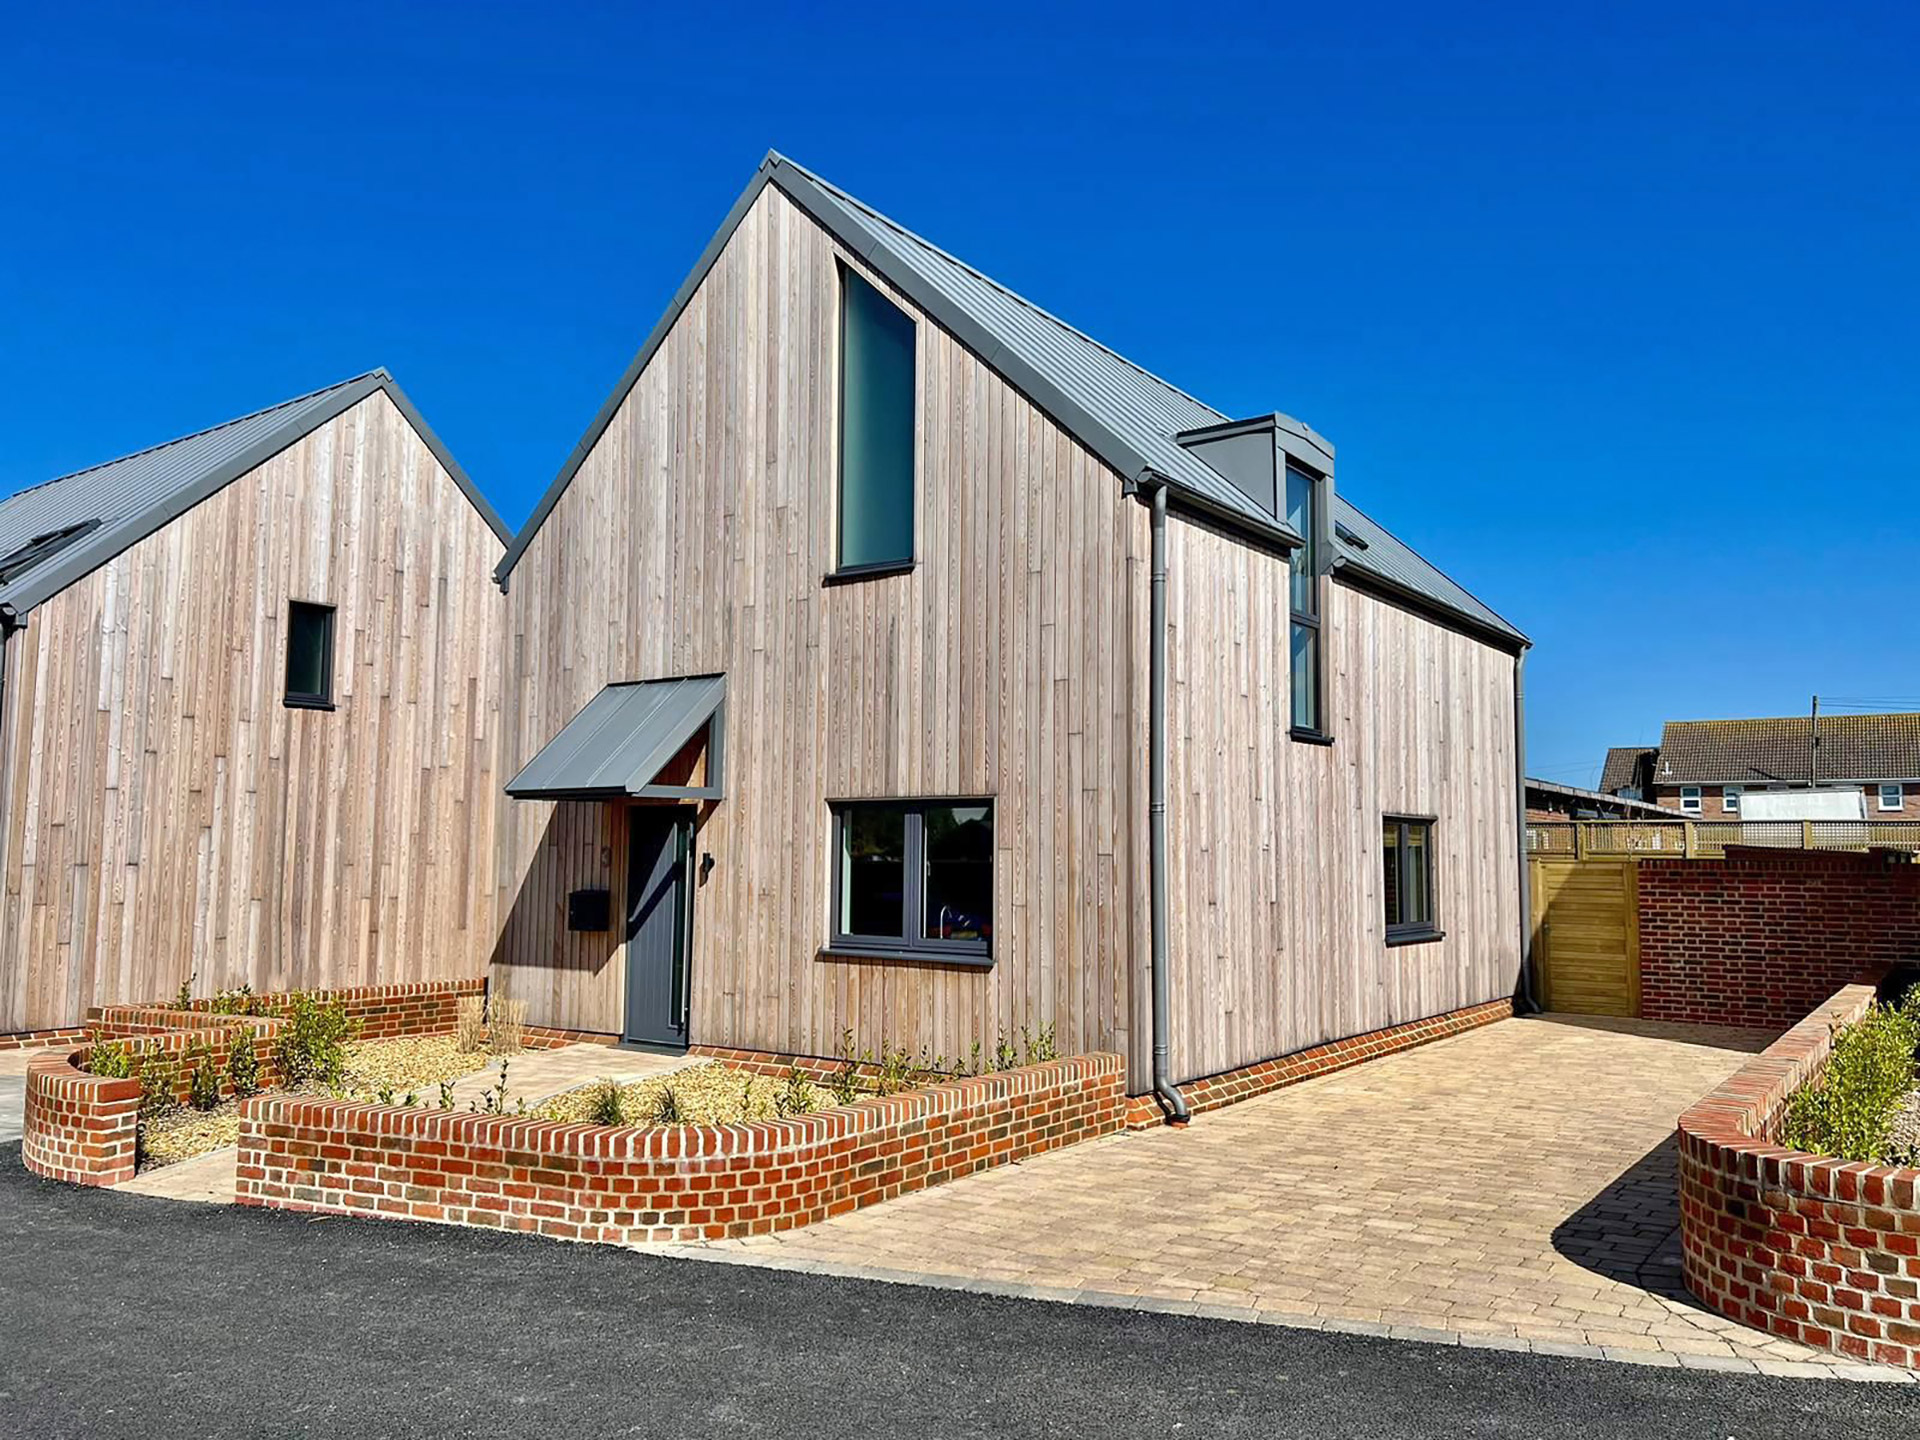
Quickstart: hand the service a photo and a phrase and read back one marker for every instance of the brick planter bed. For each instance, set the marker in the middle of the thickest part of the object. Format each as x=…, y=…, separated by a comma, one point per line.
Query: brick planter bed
x=586, y=1182
x=80, y=1127
x=1823, y=1251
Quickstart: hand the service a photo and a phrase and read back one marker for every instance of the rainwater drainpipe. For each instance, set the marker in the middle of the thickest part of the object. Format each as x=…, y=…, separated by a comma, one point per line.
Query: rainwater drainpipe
x=1527, y=995
x=1171, y=1100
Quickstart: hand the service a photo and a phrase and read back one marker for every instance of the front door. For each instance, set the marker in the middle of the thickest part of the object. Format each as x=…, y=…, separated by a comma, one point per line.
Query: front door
x=659, y=843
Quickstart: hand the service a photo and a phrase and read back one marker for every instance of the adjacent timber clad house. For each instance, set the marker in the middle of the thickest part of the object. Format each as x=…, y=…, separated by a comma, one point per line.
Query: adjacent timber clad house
x=834, y=695
x=247, y=728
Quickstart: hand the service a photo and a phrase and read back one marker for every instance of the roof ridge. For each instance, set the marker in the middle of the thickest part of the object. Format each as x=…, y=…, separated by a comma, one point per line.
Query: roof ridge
x=857, y=203
x=196, y=434
x=1802, y=719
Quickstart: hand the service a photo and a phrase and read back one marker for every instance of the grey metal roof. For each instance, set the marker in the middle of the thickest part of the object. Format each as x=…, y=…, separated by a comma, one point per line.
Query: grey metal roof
x=1123, y=413
x=617, y=743
x=134, y=496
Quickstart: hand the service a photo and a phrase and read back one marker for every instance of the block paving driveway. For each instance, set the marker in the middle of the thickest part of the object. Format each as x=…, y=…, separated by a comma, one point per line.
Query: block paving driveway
x=1511, y=1188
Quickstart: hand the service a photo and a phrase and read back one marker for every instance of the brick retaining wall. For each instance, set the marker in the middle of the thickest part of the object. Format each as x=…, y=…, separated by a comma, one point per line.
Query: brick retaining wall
x=585, y=1182
x=1822, y=1251
x=1761, y=937
x=78, y=1127
x=385, y=1012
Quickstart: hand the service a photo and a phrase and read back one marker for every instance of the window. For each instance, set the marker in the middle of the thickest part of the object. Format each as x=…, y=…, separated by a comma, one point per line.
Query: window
x=876, y=430
x=1408, y=847
x=1730, y=799
x=1629, y=792
x=914, y=879
x=310, y=655
x=1892, y=797
x=1303, y=583
x=1690, y=799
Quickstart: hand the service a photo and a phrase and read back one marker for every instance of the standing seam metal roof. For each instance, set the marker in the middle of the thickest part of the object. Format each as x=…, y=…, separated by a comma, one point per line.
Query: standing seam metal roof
x=1125, y=414
x=137, y=494
x=620, y=739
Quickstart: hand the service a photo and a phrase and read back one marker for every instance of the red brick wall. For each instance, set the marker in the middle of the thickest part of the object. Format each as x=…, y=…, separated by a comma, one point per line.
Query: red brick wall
x=584, y=1182
x=78, y=1127
x=1761, y=937
x=386, y=1012
x=1818, y=1250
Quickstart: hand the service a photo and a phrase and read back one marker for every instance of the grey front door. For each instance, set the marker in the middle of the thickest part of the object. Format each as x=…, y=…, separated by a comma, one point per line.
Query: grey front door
x=659, y=843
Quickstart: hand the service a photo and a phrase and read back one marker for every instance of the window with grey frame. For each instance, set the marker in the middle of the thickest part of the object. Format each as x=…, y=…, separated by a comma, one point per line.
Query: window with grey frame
x=913, y=879
x=877, y=375
x=309, y=655
x=1407, y=868
x=1305, y=672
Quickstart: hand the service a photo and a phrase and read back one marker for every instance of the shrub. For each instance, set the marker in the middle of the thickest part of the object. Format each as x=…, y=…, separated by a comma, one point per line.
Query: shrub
x=243, y=1063
x=896, y=1071
x=606, y=1108
x=667, y=1110
x=845, y=1083
x=470, y=1023
x=184, y=1000
x=1005, y=1057
x=506, y=1025
x=109, y=1059
x=239, y=1001
x=312, y=1046
x=159, y=1085
x=1040, y=1048
x=1849, y=1110
x=203, y=1083
x=797, y=1096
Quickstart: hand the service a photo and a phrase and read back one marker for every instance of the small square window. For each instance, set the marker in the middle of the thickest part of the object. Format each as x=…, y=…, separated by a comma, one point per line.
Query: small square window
x=309, y=655
x=1690, y=799
x=914, y=879
x=1407, y=848
x=1892, y=797
x=1730, y=799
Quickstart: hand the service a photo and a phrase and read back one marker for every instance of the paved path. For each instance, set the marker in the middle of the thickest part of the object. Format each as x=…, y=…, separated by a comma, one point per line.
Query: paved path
x=13, y=1091
x=533, y=1076
x=130, y=1319
x=1510, y=1187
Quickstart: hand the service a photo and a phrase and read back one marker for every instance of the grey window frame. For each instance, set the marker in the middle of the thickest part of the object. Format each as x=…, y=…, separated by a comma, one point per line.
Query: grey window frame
x=1317, y=733
x=1415, y=932
x=869, y=569
x=908, y=945
x=303, y=699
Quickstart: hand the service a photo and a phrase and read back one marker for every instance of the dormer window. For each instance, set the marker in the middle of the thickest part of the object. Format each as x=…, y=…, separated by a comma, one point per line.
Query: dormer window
x=1304, y=567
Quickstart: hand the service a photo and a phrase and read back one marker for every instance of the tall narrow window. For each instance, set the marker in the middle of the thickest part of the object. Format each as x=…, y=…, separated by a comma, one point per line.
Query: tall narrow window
x=1303, y=586
x=310, y=655
x=1892, y=797
x=876, y=429
x=914, y=879
x=1730, y=799
x=1407, y=849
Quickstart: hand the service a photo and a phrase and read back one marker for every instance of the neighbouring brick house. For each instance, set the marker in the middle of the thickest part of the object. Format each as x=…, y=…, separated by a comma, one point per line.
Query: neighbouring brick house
x=1703, y=767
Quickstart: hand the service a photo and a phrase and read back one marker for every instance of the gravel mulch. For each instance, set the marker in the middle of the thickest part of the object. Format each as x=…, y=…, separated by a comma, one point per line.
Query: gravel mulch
x=1904, y=1147
x=706, y=1094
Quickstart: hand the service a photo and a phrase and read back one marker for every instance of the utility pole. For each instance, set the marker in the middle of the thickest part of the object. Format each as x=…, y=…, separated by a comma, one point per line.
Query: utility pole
x=1813, y=747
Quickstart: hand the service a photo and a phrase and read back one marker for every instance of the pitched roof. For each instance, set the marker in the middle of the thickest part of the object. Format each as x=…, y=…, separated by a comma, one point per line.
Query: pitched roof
x=54, y=533
x=1598, y=799
x=1623, y=767
x=1123, y=413
x=1733, y=752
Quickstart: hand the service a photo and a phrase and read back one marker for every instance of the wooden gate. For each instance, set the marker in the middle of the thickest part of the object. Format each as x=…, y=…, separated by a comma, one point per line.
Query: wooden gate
x=1586, y=934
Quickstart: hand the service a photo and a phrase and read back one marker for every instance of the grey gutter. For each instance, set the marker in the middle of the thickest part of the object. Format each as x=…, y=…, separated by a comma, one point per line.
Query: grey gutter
x=1527, y=995
x=1171, y=1100
x=79, y=560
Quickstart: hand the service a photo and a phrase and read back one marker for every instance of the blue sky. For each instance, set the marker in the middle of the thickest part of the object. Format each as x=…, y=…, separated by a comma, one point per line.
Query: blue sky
x=1610, y=310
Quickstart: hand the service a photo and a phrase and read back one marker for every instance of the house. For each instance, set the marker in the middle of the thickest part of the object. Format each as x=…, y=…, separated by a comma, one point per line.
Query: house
x=248, y=721
x=890, y=658
x=1548, y=801
x=1704, y=767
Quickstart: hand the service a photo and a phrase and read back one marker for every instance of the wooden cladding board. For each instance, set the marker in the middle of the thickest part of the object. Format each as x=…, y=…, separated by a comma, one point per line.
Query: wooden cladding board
x=1010, y=662
x=168, y=814
x=1586, y=927
x=1278, y=917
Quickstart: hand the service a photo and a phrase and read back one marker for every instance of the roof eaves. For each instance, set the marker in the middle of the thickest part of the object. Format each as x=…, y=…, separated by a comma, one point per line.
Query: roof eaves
x=1432, y=607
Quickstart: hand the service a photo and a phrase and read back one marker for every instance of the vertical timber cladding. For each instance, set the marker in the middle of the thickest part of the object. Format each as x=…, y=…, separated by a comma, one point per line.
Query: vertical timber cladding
x=1586, y=934
x=1277, y=930
x=168, y=813
x=694, y=538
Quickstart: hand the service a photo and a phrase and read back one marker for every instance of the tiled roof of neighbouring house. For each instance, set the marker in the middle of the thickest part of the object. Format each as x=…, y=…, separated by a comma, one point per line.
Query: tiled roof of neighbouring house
x=1125, y=414
x=54, y=533
x=1623, y=766
x=1734, y=752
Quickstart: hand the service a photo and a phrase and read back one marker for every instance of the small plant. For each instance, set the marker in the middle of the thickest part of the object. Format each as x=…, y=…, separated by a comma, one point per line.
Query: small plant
x=1849, y=1110
x=312, y=1047
x=383, y=1094
x=239, y=1001
x=506, y=1025
x=973, y=1059
x=203, y=1081
x=667, y=1109
x=896, y=1070
x=159, y=1085
x=446, y=1095
x=845, y=1083
x=607, y=1108
x=493, y=1101
x=1040, y=1048
x=470, y=1023
x=243, y=1063
x=184, y=1000
x=797, y=1096
x=109, y=1059
x=1005, y=1057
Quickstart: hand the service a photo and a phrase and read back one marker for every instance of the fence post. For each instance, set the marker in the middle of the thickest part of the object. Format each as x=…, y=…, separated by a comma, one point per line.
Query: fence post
x=1806, y=834
x=1690, y=843
x=1579, y=840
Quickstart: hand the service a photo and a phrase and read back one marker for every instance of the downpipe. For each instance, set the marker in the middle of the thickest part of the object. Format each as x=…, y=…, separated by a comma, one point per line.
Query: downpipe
x=1527, y=995
x=1168, y=1094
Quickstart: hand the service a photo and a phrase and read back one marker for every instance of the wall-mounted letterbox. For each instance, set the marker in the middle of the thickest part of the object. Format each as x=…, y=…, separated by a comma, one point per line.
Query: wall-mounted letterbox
x=587, y=910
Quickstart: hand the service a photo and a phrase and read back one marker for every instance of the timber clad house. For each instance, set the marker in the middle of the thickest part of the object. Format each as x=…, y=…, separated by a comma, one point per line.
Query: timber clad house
x=1704, y=768
x=888, y=657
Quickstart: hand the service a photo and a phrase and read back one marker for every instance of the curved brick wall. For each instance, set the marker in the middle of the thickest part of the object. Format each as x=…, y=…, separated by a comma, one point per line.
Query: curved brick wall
x=78, y=1127
x=1823, y=1251
x=586, y=1182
